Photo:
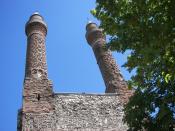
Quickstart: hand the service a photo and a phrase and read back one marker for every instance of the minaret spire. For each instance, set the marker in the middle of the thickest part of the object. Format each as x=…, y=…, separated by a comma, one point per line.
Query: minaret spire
x=111, y=74
x=36, y=30
x=37, y=93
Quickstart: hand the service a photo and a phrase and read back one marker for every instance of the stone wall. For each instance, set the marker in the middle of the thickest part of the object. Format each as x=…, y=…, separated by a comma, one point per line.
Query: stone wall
x=78, y=112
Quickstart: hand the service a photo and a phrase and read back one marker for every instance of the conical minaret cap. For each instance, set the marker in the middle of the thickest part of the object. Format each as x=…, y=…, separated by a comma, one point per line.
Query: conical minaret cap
x=35, y=18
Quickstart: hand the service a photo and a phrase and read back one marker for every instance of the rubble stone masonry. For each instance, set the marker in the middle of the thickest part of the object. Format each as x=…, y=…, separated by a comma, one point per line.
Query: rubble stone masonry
x=78, y=112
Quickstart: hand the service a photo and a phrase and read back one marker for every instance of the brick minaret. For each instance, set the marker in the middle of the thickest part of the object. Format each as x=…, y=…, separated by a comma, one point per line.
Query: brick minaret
x=37, y=91
x=36, y=30
x=111, y=74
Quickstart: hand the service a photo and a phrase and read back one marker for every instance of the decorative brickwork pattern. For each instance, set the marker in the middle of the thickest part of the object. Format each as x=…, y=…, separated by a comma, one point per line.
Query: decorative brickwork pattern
x=112, y=77
x=36, y=31
x=36, y=56
x=37, y=94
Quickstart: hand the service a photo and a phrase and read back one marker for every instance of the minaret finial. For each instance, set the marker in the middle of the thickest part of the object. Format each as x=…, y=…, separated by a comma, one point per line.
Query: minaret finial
x=89, y=21
x=36, y=13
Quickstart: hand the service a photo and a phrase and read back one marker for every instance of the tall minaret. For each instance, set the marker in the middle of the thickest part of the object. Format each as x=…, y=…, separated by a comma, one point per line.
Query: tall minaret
x=37, y=91
x=36, y=30
x=111, y=74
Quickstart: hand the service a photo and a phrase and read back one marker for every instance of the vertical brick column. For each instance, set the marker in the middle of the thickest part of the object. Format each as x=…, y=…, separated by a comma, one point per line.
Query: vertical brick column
x=36, y=31
x=37, y=93
x=111, y=74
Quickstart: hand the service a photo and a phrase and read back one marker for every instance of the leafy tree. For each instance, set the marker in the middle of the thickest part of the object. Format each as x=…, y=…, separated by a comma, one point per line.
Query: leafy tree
x=147, y=29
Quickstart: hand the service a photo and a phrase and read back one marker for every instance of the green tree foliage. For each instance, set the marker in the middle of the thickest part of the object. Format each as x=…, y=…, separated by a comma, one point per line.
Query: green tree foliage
x=147, y=29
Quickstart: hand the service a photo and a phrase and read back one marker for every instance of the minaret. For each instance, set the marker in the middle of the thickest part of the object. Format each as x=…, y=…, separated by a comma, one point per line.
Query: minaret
x=110, y=72
x=36, y=30
x=37, y=91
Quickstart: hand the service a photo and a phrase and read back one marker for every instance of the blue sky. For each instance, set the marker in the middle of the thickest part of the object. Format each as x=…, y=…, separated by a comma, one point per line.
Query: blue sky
x=71, y=64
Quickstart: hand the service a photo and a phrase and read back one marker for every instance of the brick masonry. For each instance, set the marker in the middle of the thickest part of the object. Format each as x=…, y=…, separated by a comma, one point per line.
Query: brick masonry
x=37, y=93
x=44, y=110
x=112, y=76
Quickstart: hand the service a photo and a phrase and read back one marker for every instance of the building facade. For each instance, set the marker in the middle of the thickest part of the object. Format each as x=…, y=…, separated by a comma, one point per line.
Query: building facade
x=44, y=110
